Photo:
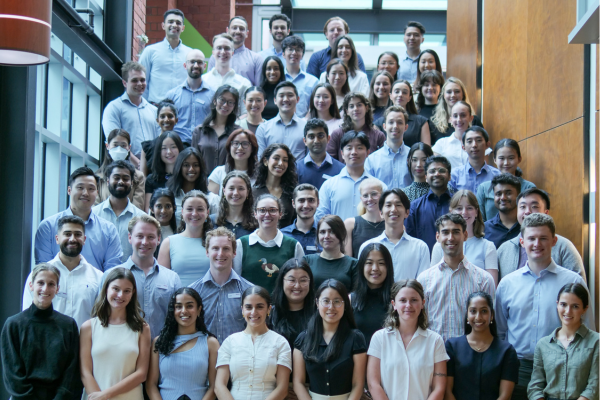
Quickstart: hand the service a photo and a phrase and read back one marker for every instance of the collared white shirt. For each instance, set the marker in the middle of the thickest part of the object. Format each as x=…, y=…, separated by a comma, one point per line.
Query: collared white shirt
x=409, y=255
x=77, y=290
x=253, y=238
x=407, y=373
x=451, y=148
x=104, y=210
x=246, y=62
x=358, y=83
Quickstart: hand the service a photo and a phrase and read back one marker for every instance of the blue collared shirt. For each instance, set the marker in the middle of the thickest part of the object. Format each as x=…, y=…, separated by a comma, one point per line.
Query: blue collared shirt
x=164, y=68
x=154, y=292
x=309, y=172
x=307, y=240
x=408, y=68
x=526, y=306
x=192, y=107
x=246, y=63
x=390, y=167
x=272, y=52
x=319, y=60
x=424, y=211
x=496, y=232
x=409, y=255
x=340, y=195
x=305, y=83
x=275, y=131
x=102, y=248
x=465, y=177
x=138, y=121
x=104, y=210
x=222, y=304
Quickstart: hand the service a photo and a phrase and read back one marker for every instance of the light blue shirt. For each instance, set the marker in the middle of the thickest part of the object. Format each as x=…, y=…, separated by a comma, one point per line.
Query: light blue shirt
x=222, y=304
x=154, y=292
x=192, y=107
x=272, y=52
x=390, y=167
x=526, y=306
x=275, y=131
x=104, y=210
x=465, y=177
x=339, y=195
x=408, y=68
x=102, y=248
x=246, y=63
x=164, y=68
x=305, y=83
x=138, y=121
x=410, y=255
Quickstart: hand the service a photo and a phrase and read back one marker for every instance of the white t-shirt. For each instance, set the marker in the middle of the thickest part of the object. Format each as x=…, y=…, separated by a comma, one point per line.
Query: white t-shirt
x=358, y=83
x=219, y=174
x=407, y=374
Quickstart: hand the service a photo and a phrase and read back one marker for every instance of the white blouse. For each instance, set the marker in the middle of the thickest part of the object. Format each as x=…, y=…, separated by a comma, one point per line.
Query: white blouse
x=253, y=365
x=407, y=373
x=358, y=83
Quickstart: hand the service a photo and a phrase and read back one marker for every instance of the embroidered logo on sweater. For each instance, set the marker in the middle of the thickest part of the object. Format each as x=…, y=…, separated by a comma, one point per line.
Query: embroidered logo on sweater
x=268, y=268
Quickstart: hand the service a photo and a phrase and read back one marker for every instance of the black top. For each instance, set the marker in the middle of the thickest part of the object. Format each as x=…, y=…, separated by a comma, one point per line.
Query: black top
x=364, y=230
x=40, y=355
x=289, y=212
x=478, y=375
x=295, y=321
x=238, y=229
x=152, y=183
x=427, y=110
x=412, y=134
x=343, y=269
x=334, y=378
x=271, y=109
x=370, y=319
x=148, y=147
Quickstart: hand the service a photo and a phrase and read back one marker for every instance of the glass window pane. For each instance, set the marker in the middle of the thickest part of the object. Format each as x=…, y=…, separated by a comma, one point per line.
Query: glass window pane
x=80, y=65
x=56, y=44
x=67, y=53
x=415, y=5
x=40, y=95
x=333, y=4
x=65, y=126
x=95, y=78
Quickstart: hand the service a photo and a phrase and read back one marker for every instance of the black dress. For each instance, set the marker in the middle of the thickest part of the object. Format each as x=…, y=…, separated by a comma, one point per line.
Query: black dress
x=364, y=230
x=370, y=319
x=271, y=109
x=478, y=375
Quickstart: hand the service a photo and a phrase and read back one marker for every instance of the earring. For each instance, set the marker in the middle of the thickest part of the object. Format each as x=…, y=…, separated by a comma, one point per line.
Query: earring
x=468, y=323
x=491, y=322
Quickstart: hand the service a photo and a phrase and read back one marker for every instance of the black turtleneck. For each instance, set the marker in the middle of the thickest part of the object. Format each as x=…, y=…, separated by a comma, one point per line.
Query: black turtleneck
x=370, y=319
x=40, y=355
x=271, y=109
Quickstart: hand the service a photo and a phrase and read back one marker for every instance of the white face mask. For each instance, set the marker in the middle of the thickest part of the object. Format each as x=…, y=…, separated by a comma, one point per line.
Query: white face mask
x=118, y=153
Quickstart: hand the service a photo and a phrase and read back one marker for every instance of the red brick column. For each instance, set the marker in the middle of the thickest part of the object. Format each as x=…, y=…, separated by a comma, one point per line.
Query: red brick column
x=139, y=27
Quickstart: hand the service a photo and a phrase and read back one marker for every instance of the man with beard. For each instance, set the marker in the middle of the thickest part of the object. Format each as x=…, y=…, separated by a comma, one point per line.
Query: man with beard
x=304, y=228
x=192, y=98
x=448, y=284
x=79, y=281
x=117, y=208
x=244, y=61
x=425, y=210
x=505, y=225
x=318, y=165
x=279, y=26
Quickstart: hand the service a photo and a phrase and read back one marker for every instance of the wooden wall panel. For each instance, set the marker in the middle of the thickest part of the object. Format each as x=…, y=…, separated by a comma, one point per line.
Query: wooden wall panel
x=463, y=46
x=554, y=67
x=504, y=69
x=558, y=161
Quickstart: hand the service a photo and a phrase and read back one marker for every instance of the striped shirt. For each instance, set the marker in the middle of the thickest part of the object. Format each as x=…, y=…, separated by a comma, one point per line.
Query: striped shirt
x=446, y=293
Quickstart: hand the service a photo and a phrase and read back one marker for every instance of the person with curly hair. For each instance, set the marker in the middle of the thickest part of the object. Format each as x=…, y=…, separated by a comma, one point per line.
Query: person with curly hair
x=235, y=209
x=277, y=175
x=184, y=356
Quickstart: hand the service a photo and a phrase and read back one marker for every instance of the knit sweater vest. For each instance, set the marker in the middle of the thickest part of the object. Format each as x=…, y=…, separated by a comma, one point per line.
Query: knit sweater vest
x=260, y=265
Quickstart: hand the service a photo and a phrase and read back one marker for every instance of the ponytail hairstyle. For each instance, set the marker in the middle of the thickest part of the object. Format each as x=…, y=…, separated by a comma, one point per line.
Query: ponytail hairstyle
x=512, y=144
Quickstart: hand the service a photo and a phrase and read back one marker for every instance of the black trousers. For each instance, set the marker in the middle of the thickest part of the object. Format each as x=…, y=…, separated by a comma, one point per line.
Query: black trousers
x=525, y=371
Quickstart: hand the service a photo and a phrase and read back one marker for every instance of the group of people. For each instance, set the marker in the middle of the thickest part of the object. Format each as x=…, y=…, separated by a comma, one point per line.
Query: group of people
x=330, y=238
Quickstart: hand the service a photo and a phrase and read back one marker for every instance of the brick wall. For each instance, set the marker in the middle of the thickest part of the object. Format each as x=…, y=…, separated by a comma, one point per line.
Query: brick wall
x=139, y=27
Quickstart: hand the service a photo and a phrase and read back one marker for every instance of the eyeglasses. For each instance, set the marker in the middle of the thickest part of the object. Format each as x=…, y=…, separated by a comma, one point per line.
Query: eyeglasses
x=337, y=303
x=293, y=50
x=292, y=282
x=243, y=145
x=319, y=136
x=372, y=195
x=263, y=211
x=439, y=171
x=222, y=102
x=387, y=63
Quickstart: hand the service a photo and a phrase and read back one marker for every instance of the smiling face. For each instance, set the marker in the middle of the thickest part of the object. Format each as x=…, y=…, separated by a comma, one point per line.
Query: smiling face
x=83, y=192
x=241, y=147
x=395, y=126
x=238, y=29
x=401, y=94
x=344, y=50
x=505, y=197
x=267, y=213
x=255, y=310
x=279, y=30
x=305, y=203
x=296, y=284
x=382, y=87
x=163, y=211
x=235, y=191
x=461, y=118
x=453, y=93
x=451, y=237
x=334, y=30
x=331, y=306
x=427, y=62
x=169, y=151
x=144, y=239
x=119, y=293
x=408, y=304
x=393, y=212
x=71, y=239
x=166, y=119
x=173, y=26
x=194, y=212
x=255, y=103
x=369, y=196
x=186, y=311
x=220, y=253
x=337, y=77
x=286, y=100
x=431, y=92
x=417, y=165
x=570, y=310
x=225, y=104
x=44, y=287
x=222, y=50
x=413, y=38
x=327, y=238
x=388, y=63
x=293, y=55
x=273, y=72
x=190, y=169
x=136, y=83
x=357, y=110
x=195, y=64
x=375, y=269
x=507, y=160
x=529, y=205
x=355, y=153
x=468, y=211
x=277, y=163
x=119, y=183
x=437, y=176
x=538, y=242
x=479, y=314
x=322, y=100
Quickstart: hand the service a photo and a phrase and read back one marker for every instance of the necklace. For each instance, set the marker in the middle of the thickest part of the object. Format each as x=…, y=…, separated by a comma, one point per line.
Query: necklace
x=373, y=224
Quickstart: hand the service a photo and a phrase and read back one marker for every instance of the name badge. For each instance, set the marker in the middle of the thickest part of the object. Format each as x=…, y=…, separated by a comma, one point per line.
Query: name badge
x=325, y=176
x=234, y=295
x=62, y=295
x=200, y=101
x=311, y=248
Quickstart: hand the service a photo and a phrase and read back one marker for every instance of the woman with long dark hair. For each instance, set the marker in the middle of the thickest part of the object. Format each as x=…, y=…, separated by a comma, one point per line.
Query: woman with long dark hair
x=389, y=61
x=162, y=207
x=166, y=118
x=372, y=288
x=242, y=149
x=431, y=83
x=258, y=360
x=255, y=99
x=331, y=352
x=379, y=93
x=481, y=365
x=417, y=156
x=344, y=49
x=277, y=176
x=210, y=137
x=184, y=355
x=428, y=60
x=323, y=105
x=337, y=76
x=273, y=73
x=115, y=343
x=166, y=150
x=407, y=361
x=235, y=208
